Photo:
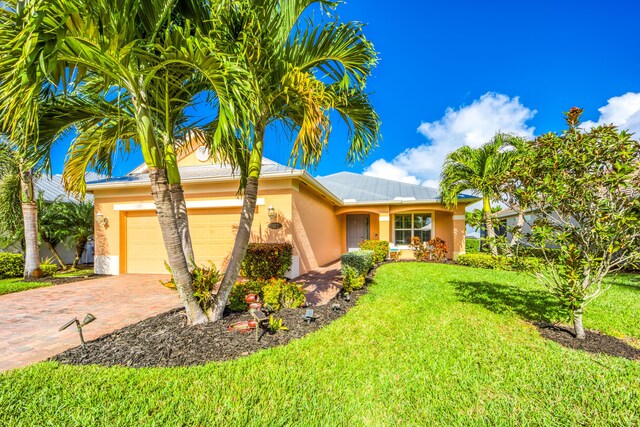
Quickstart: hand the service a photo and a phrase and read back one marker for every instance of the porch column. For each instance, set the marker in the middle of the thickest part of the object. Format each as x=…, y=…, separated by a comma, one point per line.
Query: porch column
x=459, y=233
x=383, y=218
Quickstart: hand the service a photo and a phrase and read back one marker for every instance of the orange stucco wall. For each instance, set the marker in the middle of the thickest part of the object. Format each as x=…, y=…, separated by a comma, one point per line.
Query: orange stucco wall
x=316, y=229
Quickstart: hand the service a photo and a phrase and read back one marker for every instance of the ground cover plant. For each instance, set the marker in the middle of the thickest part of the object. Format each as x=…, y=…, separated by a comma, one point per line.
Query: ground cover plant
x=433, y=344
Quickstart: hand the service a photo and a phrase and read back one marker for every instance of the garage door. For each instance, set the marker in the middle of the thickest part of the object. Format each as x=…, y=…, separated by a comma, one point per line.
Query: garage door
x=212, y=231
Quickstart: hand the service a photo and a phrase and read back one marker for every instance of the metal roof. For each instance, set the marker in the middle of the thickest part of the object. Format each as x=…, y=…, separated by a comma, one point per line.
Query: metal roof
x=52, y=187
x=356, y=188
x=188, y=173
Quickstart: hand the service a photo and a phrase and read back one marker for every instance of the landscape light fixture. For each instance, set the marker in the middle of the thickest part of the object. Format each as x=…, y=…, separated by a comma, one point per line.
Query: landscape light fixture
x=308, y=316
x=79, y=325
x=101, y=219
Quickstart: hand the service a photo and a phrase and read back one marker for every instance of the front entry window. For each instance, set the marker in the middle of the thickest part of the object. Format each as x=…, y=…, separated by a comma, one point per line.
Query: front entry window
x=414, y=224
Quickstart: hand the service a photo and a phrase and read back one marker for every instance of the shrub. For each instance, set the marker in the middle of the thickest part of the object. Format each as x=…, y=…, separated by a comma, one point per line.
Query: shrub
x=361, y=261
x=485, y=261
x=472, y=245
x=239, y=292
x=278, y=293
x=351, y=281
x=204, y=281
x=267, y=260
x=48, y=269
x=380, y=249
x=419, y=249
x=437, y=249
x=11, y=265
x=552, y=254
x=499, y=262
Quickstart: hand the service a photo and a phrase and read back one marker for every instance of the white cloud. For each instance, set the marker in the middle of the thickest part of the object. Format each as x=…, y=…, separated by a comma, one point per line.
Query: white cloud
x=623, y=111
x=383, y=169
x=470, y=125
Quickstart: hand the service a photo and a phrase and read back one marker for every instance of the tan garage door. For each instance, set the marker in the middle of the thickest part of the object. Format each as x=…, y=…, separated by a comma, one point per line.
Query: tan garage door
x=212, y=231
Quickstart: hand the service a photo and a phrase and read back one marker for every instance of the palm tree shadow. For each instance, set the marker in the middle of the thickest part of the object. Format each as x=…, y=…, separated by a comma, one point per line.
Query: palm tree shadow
x=530, y=305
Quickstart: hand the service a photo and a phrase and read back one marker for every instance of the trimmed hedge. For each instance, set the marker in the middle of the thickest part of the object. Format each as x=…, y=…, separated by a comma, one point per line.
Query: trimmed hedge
x=48, y=270
x=361, y=261
x=380, y=249
x=11, y=265
x=472, y=246
x=350, y=279
x=267, y=260
x=499, y=262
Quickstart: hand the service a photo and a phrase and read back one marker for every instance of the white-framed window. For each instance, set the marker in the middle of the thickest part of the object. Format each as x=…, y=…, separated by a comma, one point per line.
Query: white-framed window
x=408, y=225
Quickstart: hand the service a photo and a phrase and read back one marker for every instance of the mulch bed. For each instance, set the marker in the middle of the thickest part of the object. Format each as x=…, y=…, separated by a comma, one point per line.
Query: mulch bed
x=165, y=340
x=62, y=280
x=595, y=342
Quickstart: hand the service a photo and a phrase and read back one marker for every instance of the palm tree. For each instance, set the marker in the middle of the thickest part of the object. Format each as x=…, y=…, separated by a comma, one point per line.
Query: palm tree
x=299, y=72
x=51, y=225
x=11, y=226
x=480, y=170
x=128, y=46
x=78, y=220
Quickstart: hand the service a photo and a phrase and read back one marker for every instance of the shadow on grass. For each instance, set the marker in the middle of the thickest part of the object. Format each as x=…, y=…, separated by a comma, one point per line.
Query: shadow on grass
x=500, y=298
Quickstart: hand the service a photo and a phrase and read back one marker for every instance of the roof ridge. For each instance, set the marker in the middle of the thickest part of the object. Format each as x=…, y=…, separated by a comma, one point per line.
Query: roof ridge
x=377, y=177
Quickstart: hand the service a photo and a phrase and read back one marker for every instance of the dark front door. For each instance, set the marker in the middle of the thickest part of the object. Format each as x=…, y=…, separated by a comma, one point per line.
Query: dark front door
x=357, y=230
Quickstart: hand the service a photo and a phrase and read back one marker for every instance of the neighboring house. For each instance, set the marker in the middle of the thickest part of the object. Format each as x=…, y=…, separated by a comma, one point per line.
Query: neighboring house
x=51, y=188
x=322, y=217
x=508, y=218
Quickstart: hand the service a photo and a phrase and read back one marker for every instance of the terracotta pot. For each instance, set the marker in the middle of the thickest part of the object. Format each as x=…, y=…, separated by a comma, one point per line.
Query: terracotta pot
x=252, y=324
x=251, y=298
x=255, y=306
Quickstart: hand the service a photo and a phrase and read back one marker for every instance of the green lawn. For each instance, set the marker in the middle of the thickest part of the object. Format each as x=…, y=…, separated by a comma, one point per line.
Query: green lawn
x=75, y=273
x=8, y=286
x=429, y=345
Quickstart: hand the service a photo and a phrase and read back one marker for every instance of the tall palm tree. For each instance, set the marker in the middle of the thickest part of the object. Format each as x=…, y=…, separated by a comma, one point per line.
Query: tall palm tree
x=480, y=170
x=11, y=226
x=299, y=72
x=128, y=45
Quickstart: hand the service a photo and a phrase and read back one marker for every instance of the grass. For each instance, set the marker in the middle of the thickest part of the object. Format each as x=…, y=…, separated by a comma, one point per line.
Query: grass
x=8, y=286
x=429, y=345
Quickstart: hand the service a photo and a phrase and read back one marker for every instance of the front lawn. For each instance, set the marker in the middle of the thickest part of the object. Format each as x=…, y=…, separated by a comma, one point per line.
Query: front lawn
x=8, y=286
x=75, y=273
x=429, y=345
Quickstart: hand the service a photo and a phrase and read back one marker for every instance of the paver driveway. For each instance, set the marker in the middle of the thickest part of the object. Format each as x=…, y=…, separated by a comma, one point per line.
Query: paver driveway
x=29, y=320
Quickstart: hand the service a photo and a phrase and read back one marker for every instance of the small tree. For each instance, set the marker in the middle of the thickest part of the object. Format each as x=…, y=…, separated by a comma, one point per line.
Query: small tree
x=78, y=217
x=585, y=188
x=51, y=225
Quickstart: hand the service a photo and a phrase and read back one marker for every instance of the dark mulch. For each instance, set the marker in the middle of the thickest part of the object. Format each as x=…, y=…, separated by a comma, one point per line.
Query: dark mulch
x=595, y=342
x=62, y=280
x=165, y=340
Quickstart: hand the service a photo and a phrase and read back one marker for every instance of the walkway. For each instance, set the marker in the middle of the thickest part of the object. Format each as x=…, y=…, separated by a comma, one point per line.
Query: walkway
x=322, y=284
x=29, y=320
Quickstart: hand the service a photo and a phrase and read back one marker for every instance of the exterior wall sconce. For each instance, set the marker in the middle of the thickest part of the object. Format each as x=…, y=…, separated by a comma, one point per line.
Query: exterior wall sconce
x=273, y=224
x=101, y=219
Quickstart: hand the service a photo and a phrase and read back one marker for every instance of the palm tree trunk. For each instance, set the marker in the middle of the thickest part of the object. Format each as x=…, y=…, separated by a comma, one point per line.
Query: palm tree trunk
x=30, y=219
x=182, y=221
x=80, y=245
x=244, y=227
x=173, y=244
x=55, y=254
x=491, y=233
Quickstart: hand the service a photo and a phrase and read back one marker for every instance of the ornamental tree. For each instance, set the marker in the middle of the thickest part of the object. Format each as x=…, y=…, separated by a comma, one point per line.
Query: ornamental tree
x=584, y=187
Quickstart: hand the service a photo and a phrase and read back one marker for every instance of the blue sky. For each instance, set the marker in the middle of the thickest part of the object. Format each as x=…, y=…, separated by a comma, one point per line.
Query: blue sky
x=462, y=70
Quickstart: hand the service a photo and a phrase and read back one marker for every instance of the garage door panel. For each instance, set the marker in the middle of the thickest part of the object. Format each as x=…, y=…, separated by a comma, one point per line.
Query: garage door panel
x=212, y=232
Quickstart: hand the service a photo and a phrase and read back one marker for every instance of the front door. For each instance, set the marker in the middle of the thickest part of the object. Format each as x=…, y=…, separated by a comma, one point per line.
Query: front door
x=357, y=230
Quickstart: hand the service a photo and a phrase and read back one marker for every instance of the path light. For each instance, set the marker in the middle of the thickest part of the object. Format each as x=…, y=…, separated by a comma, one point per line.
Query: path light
x=79, y=325
x=308, y=316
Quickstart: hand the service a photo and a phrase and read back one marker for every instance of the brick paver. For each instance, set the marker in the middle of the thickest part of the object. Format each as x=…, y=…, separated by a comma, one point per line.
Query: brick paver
x=322, y=284
x=29, y=320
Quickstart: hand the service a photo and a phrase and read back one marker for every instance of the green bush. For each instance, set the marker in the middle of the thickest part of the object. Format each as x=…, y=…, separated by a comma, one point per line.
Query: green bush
x=11, y=265
x=48, y=270
x=472, y=246
x=552, y=254
x=239, y=292
x=267, y=260
x=361, y=261
x=278, y=293
x=204, y=281
x=380, y=249
x=484, y=261
x=351, y=281
x=499, y=262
